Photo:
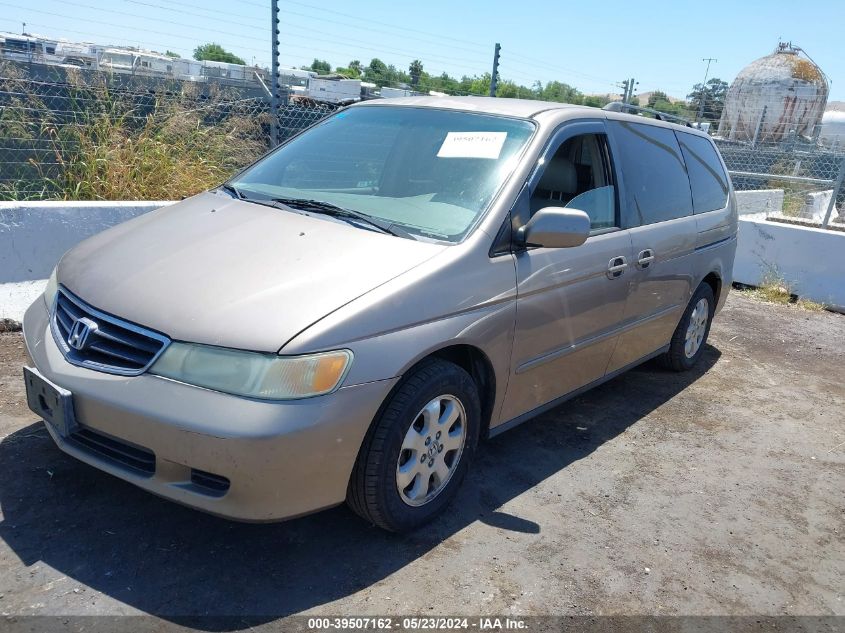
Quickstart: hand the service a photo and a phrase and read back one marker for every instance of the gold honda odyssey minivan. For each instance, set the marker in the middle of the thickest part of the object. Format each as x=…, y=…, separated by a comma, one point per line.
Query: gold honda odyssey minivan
x=345, y=319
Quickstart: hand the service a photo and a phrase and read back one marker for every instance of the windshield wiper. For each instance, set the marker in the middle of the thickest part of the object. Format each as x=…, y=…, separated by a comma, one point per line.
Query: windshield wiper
x=234, y=191
x=327, y=208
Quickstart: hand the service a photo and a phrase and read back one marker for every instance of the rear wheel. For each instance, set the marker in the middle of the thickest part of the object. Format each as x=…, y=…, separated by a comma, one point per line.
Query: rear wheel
x=690, y=336
x=419, y=449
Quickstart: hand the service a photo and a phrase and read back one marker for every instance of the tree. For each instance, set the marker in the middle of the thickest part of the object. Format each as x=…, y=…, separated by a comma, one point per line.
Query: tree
x=711, y=96
x=657, y=95
x=510, y=90
x=320, y=66
x=216, y=53
x=375, y=71
x=561, y=92
x=356, y=67
x=658, y=100
x=416, y=71
x=348, y=72
x=597, y=101
x=383, y=75
x=170, y=53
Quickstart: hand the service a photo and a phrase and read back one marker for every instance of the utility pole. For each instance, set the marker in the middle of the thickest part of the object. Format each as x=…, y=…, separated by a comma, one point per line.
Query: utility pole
x=703, y=95
x=494, y=78
x=631, y=87
x=628, y=90
x=275, y=90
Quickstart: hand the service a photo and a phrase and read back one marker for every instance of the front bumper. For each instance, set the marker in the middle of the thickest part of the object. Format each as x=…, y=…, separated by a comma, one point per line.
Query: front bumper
x=282, y=459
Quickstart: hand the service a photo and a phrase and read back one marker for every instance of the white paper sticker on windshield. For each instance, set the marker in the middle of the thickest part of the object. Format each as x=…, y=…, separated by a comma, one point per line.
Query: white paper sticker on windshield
x=472, y=145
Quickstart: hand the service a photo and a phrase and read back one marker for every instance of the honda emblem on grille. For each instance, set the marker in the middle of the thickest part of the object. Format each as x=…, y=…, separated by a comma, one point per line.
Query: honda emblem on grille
x=80, y=332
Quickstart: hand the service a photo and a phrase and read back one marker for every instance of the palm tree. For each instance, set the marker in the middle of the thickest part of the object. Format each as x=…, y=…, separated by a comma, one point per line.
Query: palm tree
x=416, y=71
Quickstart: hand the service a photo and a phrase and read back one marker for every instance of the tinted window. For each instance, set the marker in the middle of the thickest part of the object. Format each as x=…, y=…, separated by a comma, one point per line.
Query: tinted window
x=706, y=175
x=656, y=183
x=578, y=177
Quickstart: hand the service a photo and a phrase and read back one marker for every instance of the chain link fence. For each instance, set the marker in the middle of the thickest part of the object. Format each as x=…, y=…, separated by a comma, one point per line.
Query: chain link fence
x=809, y=177
x=87, y=139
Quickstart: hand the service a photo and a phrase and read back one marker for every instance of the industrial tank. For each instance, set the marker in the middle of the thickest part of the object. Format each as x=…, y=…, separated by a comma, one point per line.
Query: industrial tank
x=774, y=98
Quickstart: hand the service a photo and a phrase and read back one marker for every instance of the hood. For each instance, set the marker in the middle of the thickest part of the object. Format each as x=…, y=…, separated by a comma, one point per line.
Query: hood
x=226, y=272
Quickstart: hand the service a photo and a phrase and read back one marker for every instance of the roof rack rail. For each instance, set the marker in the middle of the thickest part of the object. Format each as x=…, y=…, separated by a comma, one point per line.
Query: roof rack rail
x=618, y=106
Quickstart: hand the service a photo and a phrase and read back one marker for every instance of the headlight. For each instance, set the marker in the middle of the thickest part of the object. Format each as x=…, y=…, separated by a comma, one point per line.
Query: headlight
x=51, y=290
x=264, y=376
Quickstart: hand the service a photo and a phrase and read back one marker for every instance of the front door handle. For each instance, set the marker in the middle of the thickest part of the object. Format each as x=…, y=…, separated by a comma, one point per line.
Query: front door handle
x=645, y=258
x=616, y=266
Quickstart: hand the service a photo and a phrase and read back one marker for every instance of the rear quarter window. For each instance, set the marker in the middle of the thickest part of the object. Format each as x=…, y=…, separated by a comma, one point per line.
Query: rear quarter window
x=656, y=184
x=707, y=177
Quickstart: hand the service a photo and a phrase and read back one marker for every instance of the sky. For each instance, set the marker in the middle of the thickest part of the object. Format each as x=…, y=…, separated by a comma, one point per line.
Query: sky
x=590, y=45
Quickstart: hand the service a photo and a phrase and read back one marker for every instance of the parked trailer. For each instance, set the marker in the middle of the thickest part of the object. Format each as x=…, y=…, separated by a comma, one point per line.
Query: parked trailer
x=334, y=90
x=28, y=48
x=296, y=79
x=129, y=61
x=82, y=55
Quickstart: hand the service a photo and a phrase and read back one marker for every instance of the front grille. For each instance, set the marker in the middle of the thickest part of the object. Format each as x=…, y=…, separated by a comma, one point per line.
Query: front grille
x=96, y=340
x=135, y=458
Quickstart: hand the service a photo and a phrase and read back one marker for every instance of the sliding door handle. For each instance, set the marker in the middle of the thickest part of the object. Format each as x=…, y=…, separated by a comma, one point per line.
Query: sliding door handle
x=616, y=266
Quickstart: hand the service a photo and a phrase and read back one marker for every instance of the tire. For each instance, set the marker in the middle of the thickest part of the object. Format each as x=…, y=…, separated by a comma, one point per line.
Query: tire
x=374, y=491
x=679, y=358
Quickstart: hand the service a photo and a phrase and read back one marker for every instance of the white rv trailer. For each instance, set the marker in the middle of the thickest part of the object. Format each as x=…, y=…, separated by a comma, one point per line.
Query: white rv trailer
x=81, y=55
x=128, y=61
x=28, y=48
x=334, y=89
x=296, y=79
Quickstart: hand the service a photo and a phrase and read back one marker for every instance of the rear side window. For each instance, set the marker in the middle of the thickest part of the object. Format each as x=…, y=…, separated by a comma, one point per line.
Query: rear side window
x=707, y=177
x=656, y=184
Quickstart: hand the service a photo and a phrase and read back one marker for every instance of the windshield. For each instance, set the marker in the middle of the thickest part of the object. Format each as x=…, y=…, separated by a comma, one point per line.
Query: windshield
x=431, y=172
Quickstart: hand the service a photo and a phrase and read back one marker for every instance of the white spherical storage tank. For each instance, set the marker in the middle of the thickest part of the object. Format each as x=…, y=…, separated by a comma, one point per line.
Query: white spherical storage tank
x=774, y=98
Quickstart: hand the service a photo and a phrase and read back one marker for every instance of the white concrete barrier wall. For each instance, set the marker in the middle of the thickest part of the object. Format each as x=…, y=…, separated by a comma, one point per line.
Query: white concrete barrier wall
x=767, y=201
x=811, y=261
x=815, y=207
x=34, y=235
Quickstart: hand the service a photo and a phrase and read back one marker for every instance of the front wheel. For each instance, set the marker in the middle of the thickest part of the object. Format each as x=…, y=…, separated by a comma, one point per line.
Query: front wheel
x=419, y=449
x=688, y=341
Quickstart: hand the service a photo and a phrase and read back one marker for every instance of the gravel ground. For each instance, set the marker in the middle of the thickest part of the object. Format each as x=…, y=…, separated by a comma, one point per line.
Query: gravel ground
x=714, y=492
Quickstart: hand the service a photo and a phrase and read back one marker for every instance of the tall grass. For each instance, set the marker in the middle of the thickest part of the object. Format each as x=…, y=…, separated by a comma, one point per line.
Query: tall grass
x=774, y=289
x=103, y=144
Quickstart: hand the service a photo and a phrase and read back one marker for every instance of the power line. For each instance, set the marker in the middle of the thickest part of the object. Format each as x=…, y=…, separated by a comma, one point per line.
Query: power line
x=288, y=12
x=179, y=48
x=357, y=43
x=473, y=70
x=358, y=18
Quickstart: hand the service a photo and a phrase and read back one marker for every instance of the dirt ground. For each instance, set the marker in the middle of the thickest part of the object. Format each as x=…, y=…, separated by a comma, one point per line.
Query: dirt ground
x=714, y=492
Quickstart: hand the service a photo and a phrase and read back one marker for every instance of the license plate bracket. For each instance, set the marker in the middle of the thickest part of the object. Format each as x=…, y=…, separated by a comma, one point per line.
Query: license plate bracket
x=51, y=402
